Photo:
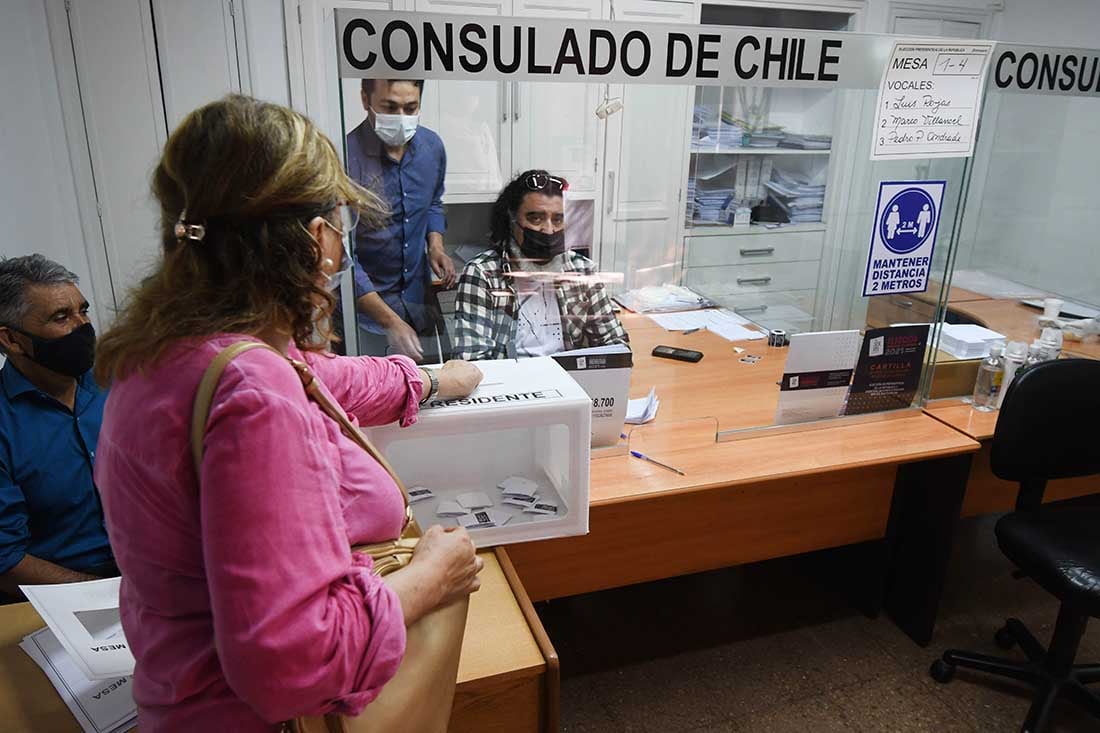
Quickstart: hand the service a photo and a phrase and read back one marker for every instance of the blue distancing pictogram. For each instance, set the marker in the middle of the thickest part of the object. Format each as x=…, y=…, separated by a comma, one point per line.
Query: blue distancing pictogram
x=907, y=220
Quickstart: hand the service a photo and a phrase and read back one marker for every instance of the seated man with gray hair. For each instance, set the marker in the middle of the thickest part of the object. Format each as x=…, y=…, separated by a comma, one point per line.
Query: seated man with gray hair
x=51, y=519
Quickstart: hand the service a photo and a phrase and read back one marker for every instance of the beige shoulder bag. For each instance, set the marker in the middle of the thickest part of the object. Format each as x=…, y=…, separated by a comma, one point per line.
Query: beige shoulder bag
x=420, y=695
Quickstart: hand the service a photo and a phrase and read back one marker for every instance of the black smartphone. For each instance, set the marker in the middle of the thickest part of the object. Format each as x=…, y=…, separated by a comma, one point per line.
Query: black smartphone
x=671, y=352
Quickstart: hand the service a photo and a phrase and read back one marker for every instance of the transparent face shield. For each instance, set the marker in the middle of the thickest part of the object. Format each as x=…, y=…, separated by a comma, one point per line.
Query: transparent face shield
x=346, y=216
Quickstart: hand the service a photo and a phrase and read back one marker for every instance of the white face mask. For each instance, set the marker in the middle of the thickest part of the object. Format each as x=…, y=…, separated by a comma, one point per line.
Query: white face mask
x=395, y=129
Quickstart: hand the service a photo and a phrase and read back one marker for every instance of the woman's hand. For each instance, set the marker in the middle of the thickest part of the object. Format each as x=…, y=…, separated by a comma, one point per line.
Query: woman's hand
x=458, y=378
x=443, y=569
x=450, y=554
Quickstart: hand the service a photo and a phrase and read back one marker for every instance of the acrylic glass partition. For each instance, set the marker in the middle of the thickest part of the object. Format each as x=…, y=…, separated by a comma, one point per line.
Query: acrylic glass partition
x=758, y=199
x=1028, y=230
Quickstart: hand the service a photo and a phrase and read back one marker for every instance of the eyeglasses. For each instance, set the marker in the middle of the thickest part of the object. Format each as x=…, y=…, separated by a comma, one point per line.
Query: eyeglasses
x=540, y=181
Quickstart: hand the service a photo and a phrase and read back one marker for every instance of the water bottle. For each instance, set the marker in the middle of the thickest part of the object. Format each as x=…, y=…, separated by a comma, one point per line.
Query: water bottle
x=1035, y=354
x=990, y=374
x=1051, y=341
x=1014, y=358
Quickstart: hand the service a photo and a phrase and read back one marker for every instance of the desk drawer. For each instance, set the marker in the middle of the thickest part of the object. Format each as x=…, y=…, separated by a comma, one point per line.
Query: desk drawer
x=885, y=310
x=744, y=279
x=748, y=249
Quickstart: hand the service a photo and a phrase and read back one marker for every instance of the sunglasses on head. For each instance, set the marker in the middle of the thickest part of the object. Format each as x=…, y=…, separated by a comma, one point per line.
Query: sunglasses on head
x=541, y=181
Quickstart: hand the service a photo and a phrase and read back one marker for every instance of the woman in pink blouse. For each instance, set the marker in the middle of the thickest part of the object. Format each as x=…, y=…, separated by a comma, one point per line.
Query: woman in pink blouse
x=241, y=600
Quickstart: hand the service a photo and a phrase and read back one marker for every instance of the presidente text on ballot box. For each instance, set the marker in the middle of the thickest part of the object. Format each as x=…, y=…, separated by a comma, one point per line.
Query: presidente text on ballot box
x=509, y=462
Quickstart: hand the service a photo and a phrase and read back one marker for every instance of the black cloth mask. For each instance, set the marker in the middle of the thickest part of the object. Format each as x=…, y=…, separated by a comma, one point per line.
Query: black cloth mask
x=540, y=246
x=71, y=354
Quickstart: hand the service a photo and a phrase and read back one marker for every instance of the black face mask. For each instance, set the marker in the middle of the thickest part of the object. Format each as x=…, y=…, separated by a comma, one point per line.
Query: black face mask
x=540, y=246
x=71, y=354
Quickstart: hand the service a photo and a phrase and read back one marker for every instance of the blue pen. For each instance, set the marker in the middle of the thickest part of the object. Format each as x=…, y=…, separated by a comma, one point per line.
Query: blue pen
x=644, y=457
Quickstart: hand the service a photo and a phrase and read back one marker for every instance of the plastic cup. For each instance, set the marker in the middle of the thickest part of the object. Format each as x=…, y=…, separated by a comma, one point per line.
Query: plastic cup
x=1052, y=307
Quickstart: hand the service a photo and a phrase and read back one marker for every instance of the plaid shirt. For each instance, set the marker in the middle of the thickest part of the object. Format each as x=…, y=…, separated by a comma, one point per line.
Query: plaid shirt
x=486, y=304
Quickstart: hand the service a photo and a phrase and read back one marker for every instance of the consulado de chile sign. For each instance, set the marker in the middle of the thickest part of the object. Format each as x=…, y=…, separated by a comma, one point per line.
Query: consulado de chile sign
x=907, y=217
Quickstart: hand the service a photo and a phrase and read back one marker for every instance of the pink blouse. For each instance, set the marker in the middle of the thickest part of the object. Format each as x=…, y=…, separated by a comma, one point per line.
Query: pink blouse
x=240, y=598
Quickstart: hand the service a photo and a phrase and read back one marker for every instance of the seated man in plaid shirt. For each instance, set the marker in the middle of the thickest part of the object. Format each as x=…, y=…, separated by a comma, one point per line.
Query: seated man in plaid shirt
x=529, y=295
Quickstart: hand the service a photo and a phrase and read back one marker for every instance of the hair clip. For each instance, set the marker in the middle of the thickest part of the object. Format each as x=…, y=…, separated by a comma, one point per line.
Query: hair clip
x=183, y=230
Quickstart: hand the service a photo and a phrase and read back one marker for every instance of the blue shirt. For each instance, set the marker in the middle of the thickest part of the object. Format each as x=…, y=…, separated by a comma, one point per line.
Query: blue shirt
x=49, y=506
x=393, y=260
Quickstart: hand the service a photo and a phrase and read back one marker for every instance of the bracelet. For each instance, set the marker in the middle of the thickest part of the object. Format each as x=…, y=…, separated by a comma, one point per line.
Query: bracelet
x=434, y=388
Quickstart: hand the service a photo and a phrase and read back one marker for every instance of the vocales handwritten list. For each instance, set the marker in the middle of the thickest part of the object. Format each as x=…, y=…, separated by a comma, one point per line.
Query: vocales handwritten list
x=929, y=100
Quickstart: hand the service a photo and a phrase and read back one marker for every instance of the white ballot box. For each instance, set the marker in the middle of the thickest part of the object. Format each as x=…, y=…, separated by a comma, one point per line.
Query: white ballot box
x=509, y=462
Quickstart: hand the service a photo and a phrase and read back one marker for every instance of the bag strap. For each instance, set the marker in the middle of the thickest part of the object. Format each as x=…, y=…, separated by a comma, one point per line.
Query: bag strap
x=200, y=411
x=205, y=396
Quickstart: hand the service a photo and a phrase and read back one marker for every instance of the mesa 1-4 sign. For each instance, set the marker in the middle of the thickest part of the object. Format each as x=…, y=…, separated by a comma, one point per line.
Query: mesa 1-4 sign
x=907, y=217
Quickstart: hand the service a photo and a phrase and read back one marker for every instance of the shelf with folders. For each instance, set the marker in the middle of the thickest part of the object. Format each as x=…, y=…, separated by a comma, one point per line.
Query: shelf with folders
x=759, y=157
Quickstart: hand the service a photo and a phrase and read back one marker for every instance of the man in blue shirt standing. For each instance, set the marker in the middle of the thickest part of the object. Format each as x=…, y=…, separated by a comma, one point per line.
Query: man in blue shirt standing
x=51, y=519
x=404, y=163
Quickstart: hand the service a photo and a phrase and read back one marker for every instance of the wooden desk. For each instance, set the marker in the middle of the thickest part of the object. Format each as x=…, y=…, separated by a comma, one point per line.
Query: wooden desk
x=771, y=494
x=739, y=502
x=985, y=493
x=736, y=395
x=507, y=676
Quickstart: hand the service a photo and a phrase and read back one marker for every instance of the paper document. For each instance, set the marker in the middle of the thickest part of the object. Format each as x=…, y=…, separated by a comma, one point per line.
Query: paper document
x=603, y=372
x=84, y=618
x=929, y=99
x=724, y=323
x=816, y=376
x=731, y=326
x=100, y=706
x=643, y=409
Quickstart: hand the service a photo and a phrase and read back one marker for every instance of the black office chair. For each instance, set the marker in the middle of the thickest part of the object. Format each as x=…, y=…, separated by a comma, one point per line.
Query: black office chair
x=1047, y=430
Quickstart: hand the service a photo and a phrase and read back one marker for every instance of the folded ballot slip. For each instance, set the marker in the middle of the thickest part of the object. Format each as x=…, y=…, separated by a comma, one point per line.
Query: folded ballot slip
x=519, y=486
x=484, y=519
x=474, y=500
x=450, y=508
x=520, y=501
x=542, y=507
x=420, y=493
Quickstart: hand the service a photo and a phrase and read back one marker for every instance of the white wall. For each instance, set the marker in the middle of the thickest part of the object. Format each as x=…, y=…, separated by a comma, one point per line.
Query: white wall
x=38, y=203
x=1051, y=22
x=1034, y=221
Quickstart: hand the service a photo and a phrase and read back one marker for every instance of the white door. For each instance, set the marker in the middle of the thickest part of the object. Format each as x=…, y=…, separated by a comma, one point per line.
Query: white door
x=198, y=66
x=114, y=50
x=472, y=117
x=554, y=124
x=645, y=154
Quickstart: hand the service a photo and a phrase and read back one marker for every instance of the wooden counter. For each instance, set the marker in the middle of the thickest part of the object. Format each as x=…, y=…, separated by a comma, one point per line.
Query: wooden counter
x=736, y=395
x=507, y=677
x=771, y=494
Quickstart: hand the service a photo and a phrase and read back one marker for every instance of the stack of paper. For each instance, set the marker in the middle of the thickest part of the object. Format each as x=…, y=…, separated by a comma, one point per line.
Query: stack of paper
x=689, y=213
x=100, y=706
x=967, y=341
x=643, y=409
x=713, y=204
x=806, y=142
x=766, y=137
x=724, y=323
x=711, y=131
x=730, y=326
x=662, y=299
x=800, y=200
